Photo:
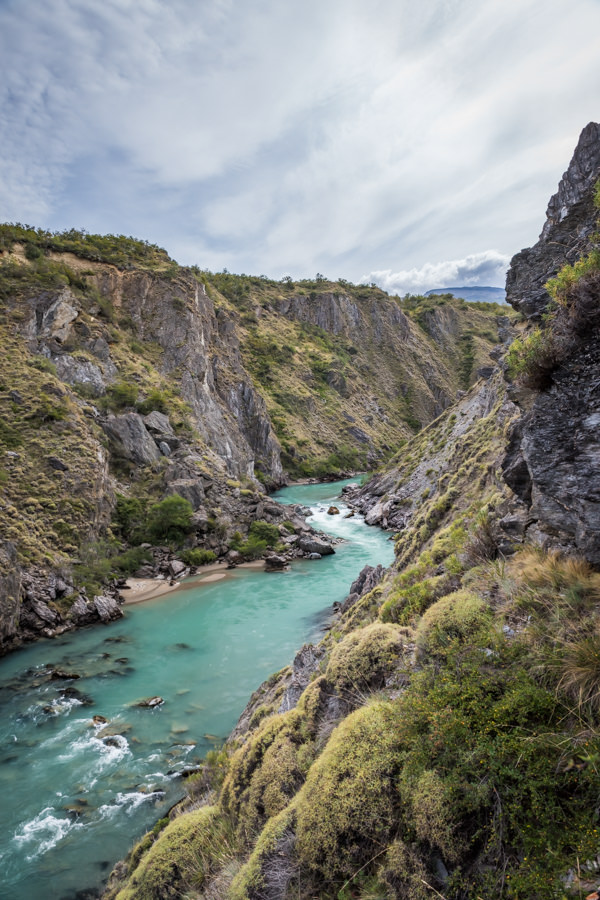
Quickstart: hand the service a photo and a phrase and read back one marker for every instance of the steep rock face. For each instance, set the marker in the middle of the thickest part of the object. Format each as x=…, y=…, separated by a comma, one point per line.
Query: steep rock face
x=379, y=324
x=200, y=349
x=561, y=447
x=553, y=458
x=567, y=232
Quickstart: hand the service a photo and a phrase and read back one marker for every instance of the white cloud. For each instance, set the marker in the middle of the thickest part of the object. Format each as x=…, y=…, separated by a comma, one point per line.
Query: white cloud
x=488, y=268
x=294, y=137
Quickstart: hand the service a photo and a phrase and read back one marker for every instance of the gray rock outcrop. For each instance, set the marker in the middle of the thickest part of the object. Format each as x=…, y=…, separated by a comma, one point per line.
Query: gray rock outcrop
x=567, y=232
x=553, y=458
x=131, y=439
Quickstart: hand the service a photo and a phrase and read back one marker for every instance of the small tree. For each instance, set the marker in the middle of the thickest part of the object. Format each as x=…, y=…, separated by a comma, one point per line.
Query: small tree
x=169, y=520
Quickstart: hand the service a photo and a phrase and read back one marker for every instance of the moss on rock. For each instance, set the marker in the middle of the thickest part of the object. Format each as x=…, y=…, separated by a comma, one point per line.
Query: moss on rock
x=361, y=662
x=182, y=858
x=347, y=808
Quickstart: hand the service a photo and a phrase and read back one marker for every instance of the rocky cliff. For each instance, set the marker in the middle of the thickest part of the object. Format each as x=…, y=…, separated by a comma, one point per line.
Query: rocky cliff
x=554, y=454
x=444, y=737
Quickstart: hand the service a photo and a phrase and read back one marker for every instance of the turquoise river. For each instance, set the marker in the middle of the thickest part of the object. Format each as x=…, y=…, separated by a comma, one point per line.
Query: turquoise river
x=76, y=796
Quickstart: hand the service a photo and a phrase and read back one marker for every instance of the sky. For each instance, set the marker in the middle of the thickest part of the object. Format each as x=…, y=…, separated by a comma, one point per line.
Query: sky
x=415, y=145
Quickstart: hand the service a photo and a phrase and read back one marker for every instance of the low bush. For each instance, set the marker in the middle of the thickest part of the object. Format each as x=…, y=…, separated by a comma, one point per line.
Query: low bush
x=263, y=531
x=361, y=662
x=197, y=557
x=121, y=395
x=155, y=401
x=453, y=619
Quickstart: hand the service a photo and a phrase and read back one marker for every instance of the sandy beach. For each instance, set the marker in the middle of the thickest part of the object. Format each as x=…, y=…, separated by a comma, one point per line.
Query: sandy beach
x=140, y=589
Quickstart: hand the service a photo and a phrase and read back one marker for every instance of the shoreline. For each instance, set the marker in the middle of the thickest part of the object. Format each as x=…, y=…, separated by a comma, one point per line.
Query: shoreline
x=139, y=590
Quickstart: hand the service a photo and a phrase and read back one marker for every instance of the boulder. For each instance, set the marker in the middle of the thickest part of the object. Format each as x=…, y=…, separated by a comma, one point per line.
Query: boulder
x=107, y=608
x=234, y=559
x=81, y=613
x=308, y=543
x=55, y=463
x=61, y=675
x=157, y=423
x=275, y=563
x=73, y=370
x=149, y=702
x=176, y=568
x=55, y=321
x=132, y=440
x=333, y=511
x=190, y=489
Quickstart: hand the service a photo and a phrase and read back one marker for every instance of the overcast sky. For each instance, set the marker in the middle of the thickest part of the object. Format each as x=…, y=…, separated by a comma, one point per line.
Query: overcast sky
x=412, y=144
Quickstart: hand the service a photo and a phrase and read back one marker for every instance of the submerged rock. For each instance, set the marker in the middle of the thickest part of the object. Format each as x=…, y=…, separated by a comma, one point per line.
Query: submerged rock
x=149, y=702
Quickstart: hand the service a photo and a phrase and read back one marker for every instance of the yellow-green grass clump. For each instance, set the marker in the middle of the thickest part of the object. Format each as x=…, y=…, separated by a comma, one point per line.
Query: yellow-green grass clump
x=270, y=767
x=183, y=857
x=453, y=619
x=364, y=659
x=347, y=809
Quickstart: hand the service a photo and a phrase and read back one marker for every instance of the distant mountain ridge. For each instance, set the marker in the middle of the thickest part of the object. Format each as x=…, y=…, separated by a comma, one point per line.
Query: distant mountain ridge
x=475, y=293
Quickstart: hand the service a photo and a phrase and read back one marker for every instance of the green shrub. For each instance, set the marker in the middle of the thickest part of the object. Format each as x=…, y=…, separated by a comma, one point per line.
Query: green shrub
x=531, y=355
x=262, y=531
x=122, y=395
x=42, y=364
x=253, y=548
x=129, y=562
x=197, y=557
x=169, y=520
x=454, y=618
x=50, y=409
x=155, y=401
x=129, y=517
x=10, y=436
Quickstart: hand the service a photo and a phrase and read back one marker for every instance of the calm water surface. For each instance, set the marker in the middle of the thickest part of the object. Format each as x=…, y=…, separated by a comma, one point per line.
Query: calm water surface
x=76, y=796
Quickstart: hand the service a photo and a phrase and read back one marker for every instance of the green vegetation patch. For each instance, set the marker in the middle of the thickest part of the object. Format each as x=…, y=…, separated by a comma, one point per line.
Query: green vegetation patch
x=182, y=858
x=347, y=809
x=362, y=661
x=119, y=250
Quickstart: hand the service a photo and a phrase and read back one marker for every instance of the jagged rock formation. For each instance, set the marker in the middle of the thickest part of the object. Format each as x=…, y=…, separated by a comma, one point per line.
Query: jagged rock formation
x=567, y=233
x=554, y=455
x=356, y=372
x=126, y=376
